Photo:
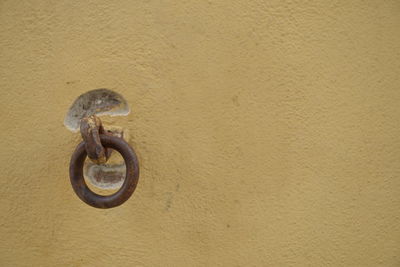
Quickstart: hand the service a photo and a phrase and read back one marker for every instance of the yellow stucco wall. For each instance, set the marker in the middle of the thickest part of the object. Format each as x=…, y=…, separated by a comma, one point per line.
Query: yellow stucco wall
x=268, y=132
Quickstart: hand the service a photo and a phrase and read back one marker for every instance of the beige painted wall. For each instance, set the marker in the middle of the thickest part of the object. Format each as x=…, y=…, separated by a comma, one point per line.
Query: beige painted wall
x=268, y=132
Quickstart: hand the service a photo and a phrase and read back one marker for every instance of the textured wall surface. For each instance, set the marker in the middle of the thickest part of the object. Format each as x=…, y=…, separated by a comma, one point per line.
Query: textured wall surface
x=268, y=132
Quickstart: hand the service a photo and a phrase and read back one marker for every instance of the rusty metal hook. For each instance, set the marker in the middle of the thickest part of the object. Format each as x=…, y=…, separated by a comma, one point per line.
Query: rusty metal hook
x=131, y=178
x=91, y=128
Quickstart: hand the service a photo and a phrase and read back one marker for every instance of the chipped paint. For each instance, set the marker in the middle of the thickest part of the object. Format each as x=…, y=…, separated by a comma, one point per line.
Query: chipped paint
x=95, y=102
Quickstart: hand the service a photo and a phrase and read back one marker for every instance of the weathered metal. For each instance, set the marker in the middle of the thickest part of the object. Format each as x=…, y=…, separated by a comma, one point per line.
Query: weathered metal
x=127, y=188
x=91, y=128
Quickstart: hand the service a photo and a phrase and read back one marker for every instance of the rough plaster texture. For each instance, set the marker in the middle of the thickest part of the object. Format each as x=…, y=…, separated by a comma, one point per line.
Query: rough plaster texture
x=268, y=132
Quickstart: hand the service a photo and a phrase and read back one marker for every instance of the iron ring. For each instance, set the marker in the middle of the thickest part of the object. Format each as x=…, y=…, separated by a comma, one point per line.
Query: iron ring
x=131, y=178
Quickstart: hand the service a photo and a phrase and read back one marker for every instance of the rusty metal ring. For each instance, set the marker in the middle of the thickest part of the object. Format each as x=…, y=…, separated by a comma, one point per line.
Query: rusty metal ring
x=131, y=178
